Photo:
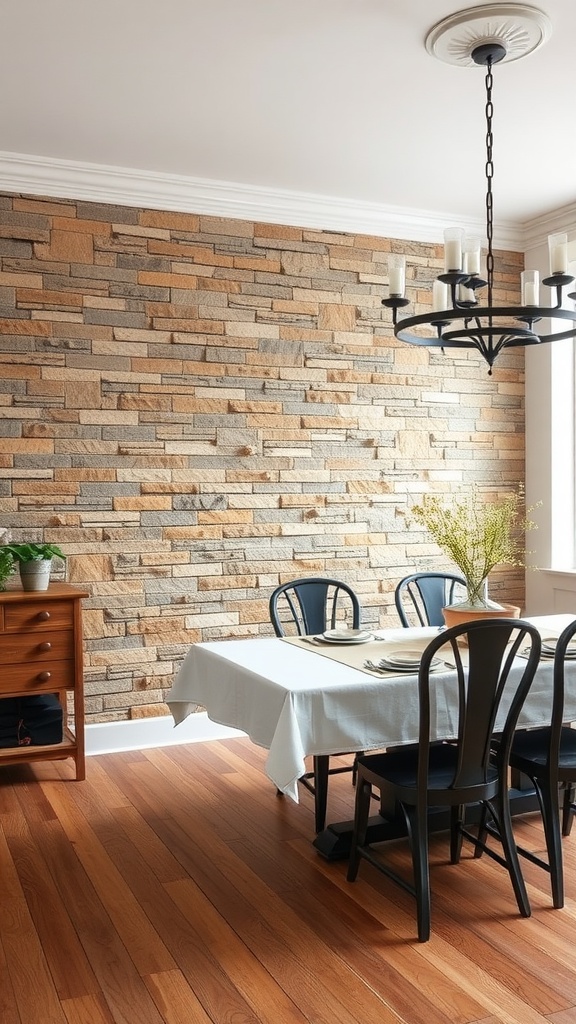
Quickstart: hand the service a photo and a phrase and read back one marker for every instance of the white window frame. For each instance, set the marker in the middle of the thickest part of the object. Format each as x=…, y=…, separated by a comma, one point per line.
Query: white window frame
x=550, y=462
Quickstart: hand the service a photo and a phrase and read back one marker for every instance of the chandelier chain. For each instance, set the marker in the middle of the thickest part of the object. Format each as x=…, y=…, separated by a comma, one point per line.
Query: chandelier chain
x=489, y=177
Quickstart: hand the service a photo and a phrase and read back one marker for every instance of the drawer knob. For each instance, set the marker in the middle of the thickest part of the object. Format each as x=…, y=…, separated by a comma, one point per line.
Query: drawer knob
x=43, y=616
x=46, y=646
x=43, y=677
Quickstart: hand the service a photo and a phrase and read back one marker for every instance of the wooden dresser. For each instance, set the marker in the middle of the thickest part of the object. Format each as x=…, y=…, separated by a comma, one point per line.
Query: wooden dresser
x=41, y=652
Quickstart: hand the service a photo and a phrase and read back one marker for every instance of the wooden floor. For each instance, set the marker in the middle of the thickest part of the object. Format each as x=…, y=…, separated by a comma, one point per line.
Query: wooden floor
x=174, y=887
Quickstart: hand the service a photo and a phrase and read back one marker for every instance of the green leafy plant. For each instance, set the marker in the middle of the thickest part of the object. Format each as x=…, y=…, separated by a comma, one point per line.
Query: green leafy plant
x=7, y=567
x=33, y=552
x=477, y=535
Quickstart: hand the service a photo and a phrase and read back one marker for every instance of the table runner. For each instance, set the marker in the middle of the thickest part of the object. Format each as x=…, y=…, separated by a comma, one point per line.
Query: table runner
x=355, y=654
x=387, y=641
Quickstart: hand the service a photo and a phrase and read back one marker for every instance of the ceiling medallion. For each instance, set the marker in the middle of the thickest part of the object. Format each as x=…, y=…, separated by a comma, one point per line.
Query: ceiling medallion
x=517, y=27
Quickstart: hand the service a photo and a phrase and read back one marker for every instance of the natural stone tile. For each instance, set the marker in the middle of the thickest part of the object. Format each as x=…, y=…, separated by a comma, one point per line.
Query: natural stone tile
x=222, y=226
x=69, y=246
x=170, y=220
x=15, y=279
x=335, y=317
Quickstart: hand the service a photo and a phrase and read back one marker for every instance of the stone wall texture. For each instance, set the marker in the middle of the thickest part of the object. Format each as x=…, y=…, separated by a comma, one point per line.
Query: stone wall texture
x=196, y=409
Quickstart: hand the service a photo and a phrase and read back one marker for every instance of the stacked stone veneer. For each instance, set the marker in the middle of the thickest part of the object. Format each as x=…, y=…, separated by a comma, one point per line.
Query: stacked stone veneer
x=197, y=408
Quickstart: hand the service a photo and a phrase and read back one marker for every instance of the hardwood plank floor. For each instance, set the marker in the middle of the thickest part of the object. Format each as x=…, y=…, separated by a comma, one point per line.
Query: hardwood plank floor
x=173, y=886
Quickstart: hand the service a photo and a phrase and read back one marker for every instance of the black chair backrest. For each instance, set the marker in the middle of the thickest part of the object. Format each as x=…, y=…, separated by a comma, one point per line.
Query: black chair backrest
x=557, y=716
x=313, y=604
x=488, y=701
x=423, y=595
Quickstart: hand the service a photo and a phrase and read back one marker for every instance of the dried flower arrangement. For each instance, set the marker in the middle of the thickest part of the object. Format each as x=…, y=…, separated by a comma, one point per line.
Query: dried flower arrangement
x=476, y=534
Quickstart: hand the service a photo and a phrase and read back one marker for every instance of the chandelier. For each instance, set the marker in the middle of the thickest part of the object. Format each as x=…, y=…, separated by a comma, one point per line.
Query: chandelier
x=463, y=314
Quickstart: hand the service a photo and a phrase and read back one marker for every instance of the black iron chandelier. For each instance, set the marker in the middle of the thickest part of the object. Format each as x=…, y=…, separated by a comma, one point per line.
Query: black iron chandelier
x=484, y=36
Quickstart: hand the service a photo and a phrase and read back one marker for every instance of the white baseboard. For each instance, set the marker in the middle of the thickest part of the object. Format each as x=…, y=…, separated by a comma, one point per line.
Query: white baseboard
x=112, y=737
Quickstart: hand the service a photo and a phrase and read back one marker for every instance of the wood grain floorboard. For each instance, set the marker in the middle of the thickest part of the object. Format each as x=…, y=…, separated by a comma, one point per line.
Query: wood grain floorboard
x=90, y=1009
x=173, y=886
x=185, y=942
x=175, y=999
x=394, y=912
x=27, y=969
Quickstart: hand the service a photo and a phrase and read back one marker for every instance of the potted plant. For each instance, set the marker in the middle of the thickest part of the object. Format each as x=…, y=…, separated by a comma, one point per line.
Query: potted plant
x=34, y=562
x=477, y=535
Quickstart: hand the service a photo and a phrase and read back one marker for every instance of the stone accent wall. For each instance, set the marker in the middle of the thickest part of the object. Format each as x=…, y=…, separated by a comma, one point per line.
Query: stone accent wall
x=196, y=409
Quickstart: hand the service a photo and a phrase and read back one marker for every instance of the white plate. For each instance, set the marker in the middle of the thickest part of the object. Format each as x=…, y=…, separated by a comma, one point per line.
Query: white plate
x=549, y=647
x=345, y=636
x=547, y=655
x=405, y=659
x=351, y=641
x=399, y=665
x=389, y=666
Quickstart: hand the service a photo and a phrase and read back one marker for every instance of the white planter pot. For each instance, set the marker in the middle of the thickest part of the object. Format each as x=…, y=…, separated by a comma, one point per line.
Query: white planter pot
x=35, y=575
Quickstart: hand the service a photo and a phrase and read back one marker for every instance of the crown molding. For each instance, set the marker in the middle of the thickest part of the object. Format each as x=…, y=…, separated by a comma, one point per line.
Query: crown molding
x=123, y=186
x=536, y=231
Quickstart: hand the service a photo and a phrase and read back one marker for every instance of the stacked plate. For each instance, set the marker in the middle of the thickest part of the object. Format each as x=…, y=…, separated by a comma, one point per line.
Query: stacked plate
x=549, y=647
x=345, y=636
x=405, y=661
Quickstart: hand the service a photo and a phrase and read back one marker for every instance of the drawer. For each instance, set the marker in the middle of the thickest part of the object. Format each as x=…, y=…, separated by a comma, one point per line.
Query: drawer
x=17, y=648
x=38, y=615
x=48, y=675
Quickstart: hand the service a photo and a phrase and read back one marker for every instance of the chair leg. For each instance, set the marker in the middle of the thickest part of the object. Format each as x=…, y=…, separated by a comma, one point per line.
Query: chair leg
x=456, y=822
x=418, y=836
x=482, y=831
x=361, y=813
x=321, y=765
x=551, y=821
x=568, y=808
x=501, y=812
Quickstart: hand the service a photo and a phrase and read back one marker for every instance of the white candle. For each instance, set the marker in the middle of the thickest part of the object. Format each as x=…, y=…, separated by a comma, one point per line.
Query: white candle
x=453, y=248
x=397, y=275
x=439, y=295
x=397, y=281
x=530, y=295
x=530, y=280
x=466, y=294
x=472, y=256
x=558, y=248
x=470, y=265
x=453, y=255
x=558, y=259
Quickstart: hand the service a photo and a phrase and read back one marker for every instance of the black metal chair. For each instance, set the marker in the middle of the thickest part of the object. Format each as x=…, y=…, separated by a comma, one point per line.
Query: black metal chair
x=457, y=773
x=420, y=598
x=548, y=757
x=304, y=607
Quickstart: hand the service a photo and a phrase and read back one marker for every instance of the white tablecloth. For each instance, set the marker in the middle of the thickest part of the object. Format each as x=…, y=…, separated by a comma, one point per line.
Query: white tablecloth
x=296, y=703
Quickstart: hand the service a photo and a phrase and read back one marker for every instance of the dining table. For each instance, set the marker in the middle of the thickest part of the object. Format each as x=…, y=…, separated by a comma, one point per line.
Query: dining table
x=303, y=696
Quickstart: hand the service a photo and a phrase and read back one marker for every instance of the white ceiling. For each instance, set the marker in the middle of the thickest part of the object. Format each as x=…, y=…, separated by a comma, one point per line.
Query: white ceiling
x=334, y=98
